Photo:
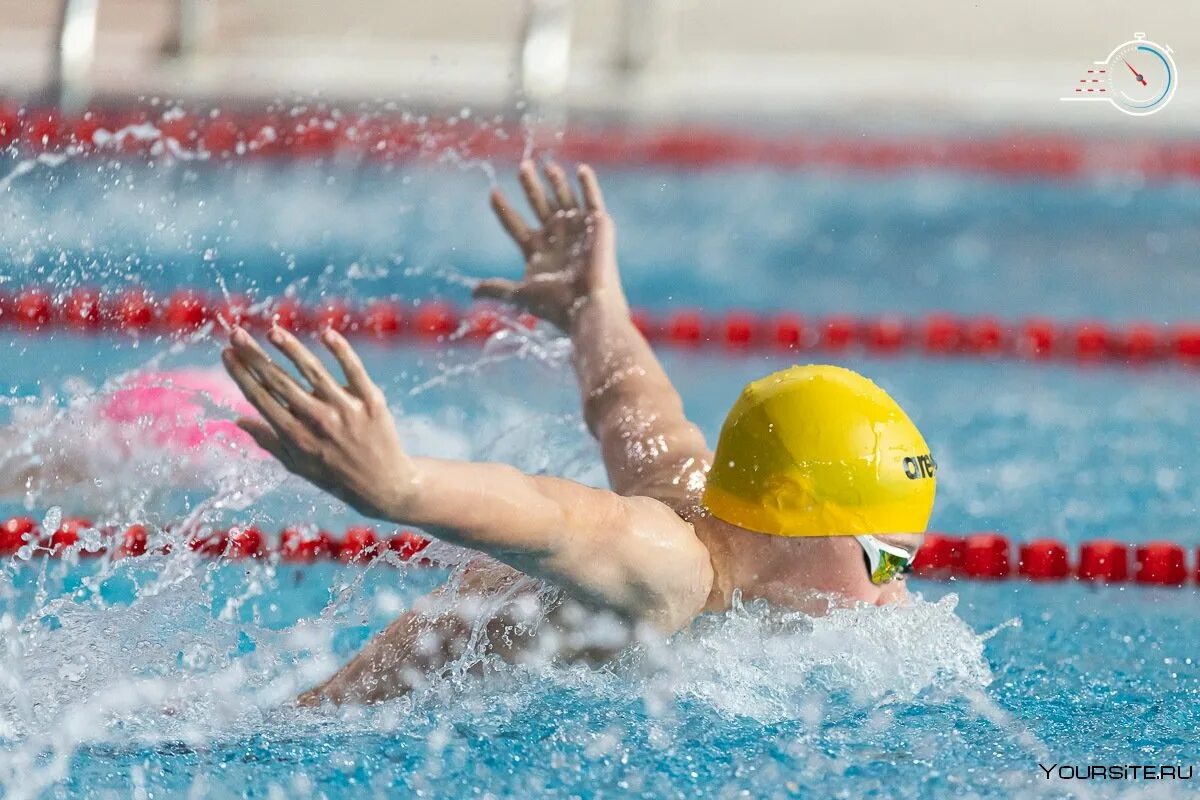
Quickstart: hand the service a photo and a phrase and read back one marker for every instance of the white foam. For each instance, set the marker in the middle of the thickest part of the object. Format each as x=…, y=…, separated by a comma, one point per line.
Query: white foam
x=170, y=666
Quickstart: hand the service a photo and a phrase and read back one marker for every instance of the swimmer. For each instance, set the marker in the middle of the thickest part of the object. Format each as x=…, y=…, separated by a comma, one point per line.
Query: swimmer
x=159, y=411
x=818, y=493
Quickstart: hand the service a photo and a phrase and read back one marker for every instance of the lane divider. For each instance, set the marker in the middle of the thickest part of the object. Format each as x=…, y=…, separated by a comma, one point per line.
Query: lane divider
x=978, y=556
x=304, y=132
x=137, y=312
x=294, y=544
x=990, y=556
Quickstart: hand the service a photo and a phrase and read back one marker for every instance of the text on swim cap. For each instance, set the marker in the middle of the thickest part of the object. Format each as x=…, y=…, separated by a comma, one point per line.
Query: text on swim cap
x=920, y=467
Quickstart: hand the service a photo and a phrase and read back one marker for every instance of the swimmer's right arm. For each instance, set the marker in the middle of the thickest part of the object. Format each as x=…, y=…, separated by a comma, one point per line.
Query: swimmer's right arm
x=649, y=445
x=434, y=633
x=632, y=555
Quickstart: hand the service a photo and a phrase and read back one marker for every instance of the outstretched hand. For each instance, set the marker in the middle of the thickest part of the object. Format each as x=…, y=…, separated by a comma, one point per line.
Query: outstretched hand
x=340, y=438
x=570, y=258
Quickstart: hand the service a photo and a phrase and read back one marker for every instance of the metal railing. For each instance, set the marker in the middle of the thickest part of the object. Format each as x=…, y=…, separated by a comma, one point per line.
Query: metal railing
x=69, y=86
x=544, y=47
x=544, y=50
x=646, y=34
x=189, y=26
x=75, y=51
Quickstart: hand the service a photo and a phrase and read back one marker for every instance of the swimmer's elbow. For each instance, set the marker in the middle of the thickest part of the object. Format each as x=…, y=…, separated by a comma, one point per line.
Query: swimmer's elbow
x=674, y=615
x=670, y=569
x=639, y=559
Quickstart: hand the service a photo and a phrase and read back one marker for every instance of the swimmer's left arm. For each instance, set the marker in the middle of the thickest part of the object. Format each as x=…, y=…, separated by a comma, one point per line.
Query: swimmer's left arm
x=571, y=279
x=630, y=554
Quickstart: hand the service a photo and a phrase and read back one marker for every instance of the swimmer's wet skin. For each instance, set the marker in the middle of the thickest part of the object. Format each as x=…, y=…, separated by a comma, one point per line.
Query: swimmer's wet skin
x=819, y=494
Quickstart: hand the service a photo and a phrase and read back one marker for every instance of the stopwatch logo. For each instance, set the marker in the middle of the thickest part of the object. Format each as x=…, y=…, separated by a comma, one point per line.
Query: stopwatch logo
x=1138, y=78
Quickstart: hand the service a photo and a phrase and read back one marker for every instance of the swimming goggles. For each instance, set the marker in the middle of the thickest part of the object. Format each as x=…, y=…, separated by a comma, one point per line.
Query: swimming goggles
x=885, y=562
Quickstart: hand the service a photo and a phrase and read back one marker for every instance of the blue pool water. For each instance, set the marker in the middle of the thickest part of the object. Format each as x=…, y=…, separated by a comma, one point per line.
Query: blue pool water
x=169, y=677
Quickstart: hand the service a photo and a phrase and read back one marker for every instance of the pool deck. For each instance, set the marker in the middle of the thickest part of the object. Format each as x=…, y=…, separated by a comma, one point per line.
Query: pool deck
x=868, y=65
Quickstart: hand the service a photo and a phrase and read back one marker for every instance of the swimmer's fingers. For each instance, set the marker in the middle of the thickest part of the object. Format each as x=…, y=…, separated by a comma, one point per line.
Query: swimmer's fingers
x=264, y=436
x=563, y=192
x=592, y=196
x=357, y=380
x=500, y=289
x=268, y=439
x=324, y=386
x=534, y=190
x=512, y=222
x=281, y=420
x=273, y=377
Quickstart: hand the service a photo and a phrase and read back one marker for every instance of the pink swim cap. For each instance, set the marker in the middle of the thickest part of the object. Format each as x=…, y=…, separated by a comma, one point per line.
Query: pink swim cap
x=173, y=408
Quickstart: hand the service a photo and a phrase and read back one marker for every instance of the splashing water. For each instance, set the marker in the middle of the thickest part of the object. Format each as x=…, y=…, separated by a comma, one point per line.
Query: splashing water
x=105, y=139
x=170, y=674
x=147, y=652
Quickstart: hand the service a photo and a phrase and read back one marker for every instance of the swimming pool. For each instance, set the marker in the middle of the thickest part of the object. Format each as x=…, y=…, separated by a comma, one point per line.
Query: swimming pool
x=171, y=676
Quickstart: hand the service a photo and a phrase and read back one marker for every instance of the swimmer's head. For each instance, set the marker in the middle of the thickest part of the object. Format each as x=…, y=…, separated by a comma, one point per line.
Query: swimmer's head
x=820, y=451
x=181, y=410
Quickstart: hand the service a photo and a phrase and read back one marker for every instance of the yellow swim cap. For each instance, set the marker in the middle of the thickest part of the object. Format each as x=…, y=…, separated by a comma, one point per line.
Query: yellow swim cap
x=820, y=451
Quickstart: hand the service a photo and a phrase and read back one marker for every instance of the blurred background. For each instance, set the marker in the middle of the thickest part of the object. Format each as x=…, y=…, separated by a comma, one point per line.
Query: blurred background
x=859, y=64
x=895, y=187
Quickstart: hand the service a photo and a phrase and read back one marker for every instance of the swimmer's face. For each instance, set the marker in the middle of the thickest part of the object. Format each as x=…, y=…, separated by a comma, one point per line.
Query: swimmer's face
x=833, y=566
x=847, y=570
x=801, y=572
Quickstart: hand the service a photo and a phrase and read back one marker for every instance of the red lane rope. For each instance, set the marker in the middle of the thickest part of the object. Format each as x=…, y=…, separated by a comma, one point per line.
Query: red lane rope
x=298, y=544
x=309, y=133
x=184, y=312
x=979, y=556
x=990, y=556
